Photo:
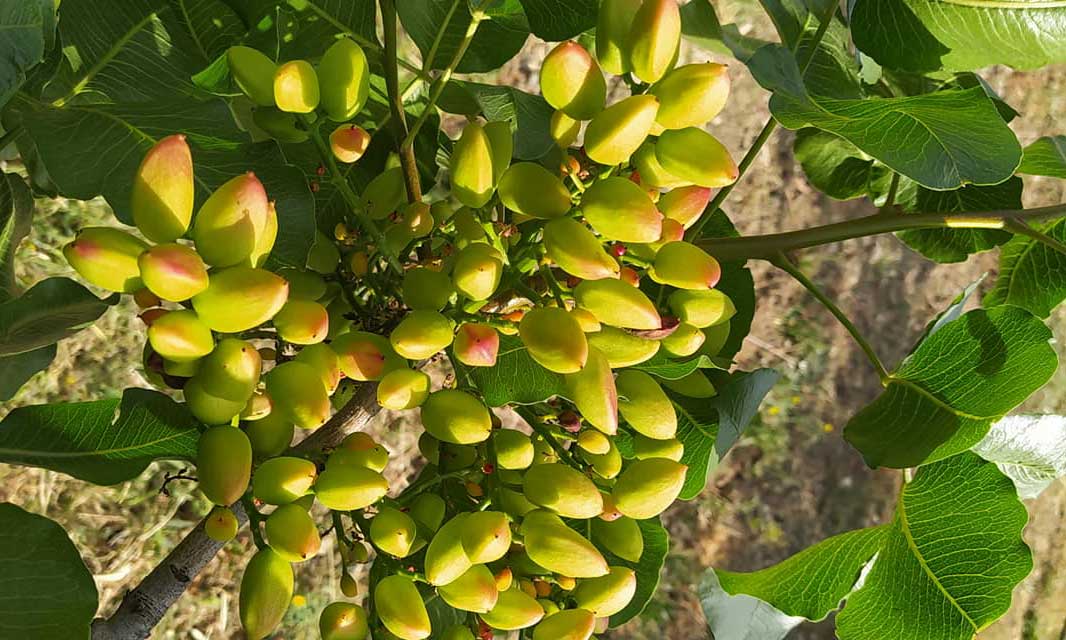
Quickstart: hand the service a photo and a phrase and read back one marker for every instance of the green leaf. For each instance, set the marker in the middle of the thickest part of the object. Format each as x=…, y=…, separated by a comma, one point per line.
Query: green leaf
x=956, y=245
x=554, y=20
x=23, y=29
x=48, y=592
x=1031, y=274
x=213, y=25
x=945, y=395
x=1045, y=157
x=1028, y=449
x=497, y=40
x=53, y=309
x=925, y=35
x=950, y=558
x=16, y=213
x=737, y=403
x=737, y=283
x=700, y=24
x=954, y=310
x=528, y=114
x=838, y=168
x=664, y=366
x=290, y=29
x=69, y=139
x=656, y=548
x=697, y=429
x=16, y=370
x=516, y=378
x=941, y=140
x=104, y=442
x=807, y=586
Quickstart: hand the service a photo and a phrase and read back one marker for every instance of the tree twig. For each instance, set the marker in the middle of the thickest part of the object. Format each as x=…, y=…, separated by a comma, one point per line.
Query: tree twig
x=399, y=118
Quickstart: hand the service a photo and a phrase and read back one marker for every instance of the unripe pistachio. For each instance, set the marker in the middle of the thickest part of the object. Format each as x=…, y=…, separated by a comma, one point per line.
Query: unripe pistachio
x=532, y=190
x=221, y=525
x=230, y=221
x=442, y=211
x=612, y=34
x=468, y=228
x=280, y=125
x=324, y=255
x=615, y=133
x=291, y=532
x=385, y=193
x=623, y=349
x=685, y=266
x=182, y=369
x=654, y=38
x=694, y=385
x=645, y=406
x=514, y=449
x=348, y=143
x=558, y=548
x=476, y=345
x=107, y=258
x=402, y=389
x=685, y=204
x=593, y=391
x=345, y=80
x=475, y=590
x=223, y=464
x=609, y=594
x=401, y=609
x=421, y=334
x=349, y=487
x=231, y=370
x=702, y=308
x=652, y=174
x=684, y=341
x=563, y=490
x=617, y=304
x=365, y=356
x=322, y=357
x=515, y=504
x=697, y=157
x=359, y=264
x=486, y=536
x=254, y=73
x=588, y=322
x=296, y=87
x=645, y=447
x=445, y=558
x=208, y=408
x=394, y=532
x=283, y=480
x=594, y=442
x=264, y=240
x=647, y=487
x=501, y=142
x=173, y=271
x=266, y=590
x=571, y=624
x=472, y=167
x=426, y=289
x=428, y=511
x=620, y=210
x=302, y=322
x=298, y=394
x=181, y=336
x=622, y=537
x=163, y=190
x=270, y=435
x=690, y=96
x=607, y=465
x=477, y=271
x=571, y=81
x=554, y=339
x=514, y=610
x=456, y=417
x=577, y=251
x=564, y=129
x=343, y=621
x=349, y=587
x=417, y=219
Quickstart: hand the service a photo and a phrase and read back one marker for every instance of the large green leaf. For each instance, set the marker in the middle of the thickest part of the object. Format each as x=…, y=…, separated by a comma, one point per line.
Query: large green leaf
x=767, y=604
x=1028, y=449
x=736, y=282
x=516, y=378
x=700, y=24
x=928, y=35
x=956, y=245
x=656, y=547
x=941, y=140
x=16, y=213
x=52, y=309
x=1045, y=157
x=838, y=168
x=103, y=442
x=16, y=370
x=666, y=367
x=950, y=559
x=214, y=27
x=737, y=403
x=23, y=29
x=1031, y=274
x=528, y=114
x=497, y=40
x=560, y=19
x=69, y=140
x=944, y=396
x=46, y=592
x=289, y=29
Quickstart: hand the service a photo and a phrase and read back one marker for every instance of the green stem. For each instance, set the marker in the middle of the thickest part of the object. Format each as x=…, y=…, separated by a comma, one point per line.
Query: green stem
x=893, y=189
x=553, y=284
x=399, y=117
x=338, y=528
x=254, y=518
x=9, y=137
x=1017, y=226
x=782, y=262
x=538, y=427
x=412, y=491
x=769, y=245
x=431, y=55
x=437, y=88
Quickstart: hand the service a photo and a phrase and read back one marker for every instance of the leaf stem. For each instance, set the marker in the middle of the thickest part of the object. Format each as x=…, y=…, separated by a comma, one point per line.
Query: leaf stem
x=782, y=262
x=538, y=427
x=1021, y=228
x=399, y=117
x=553, y=284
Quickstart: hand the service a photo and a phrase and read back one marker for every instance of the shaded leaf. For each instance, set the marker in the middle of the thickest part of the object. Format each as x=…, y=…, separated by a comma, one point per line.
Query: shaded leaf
x=16, y=213
x=497, y=40
x=103, y=442
x=46, y=591
x=516, y=378
x=289, y=29
x=23, y=29
x=1031, y=274
x=50, y=311
x=945, y=395
x=1028, y=449
x=213, y=25
x=738, y=402
x=16, y=370
x=528, y=114
x=954, y=310
x=656, y=548
x=838, y=168
x=664, y=366
x=737, y=283
x=700, y=24
x=554, y=20
x=1045, y=157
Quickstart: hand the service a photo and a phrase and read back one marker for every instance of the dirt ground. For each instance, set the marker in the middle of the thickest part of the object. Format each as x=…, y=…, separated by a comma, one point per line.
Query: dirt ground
x=792, y=481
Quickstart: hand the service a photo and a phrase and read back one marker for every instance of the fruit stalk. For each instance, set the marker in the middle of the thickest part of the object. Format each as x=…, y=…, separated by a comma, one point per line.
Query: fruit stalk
x=399, y=118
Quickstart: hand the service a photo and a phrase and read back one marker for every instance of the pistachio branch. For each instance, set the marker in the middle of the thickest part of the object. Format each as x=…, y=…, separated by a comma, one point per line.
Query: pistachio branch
x=399, y=117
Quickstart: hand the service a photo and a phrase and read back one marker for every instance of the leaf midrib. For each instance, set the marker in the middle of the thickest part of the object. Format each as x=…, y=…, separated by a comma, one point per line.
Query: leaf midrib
x=925, y=393
x=105, y=59
x=87, y=454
